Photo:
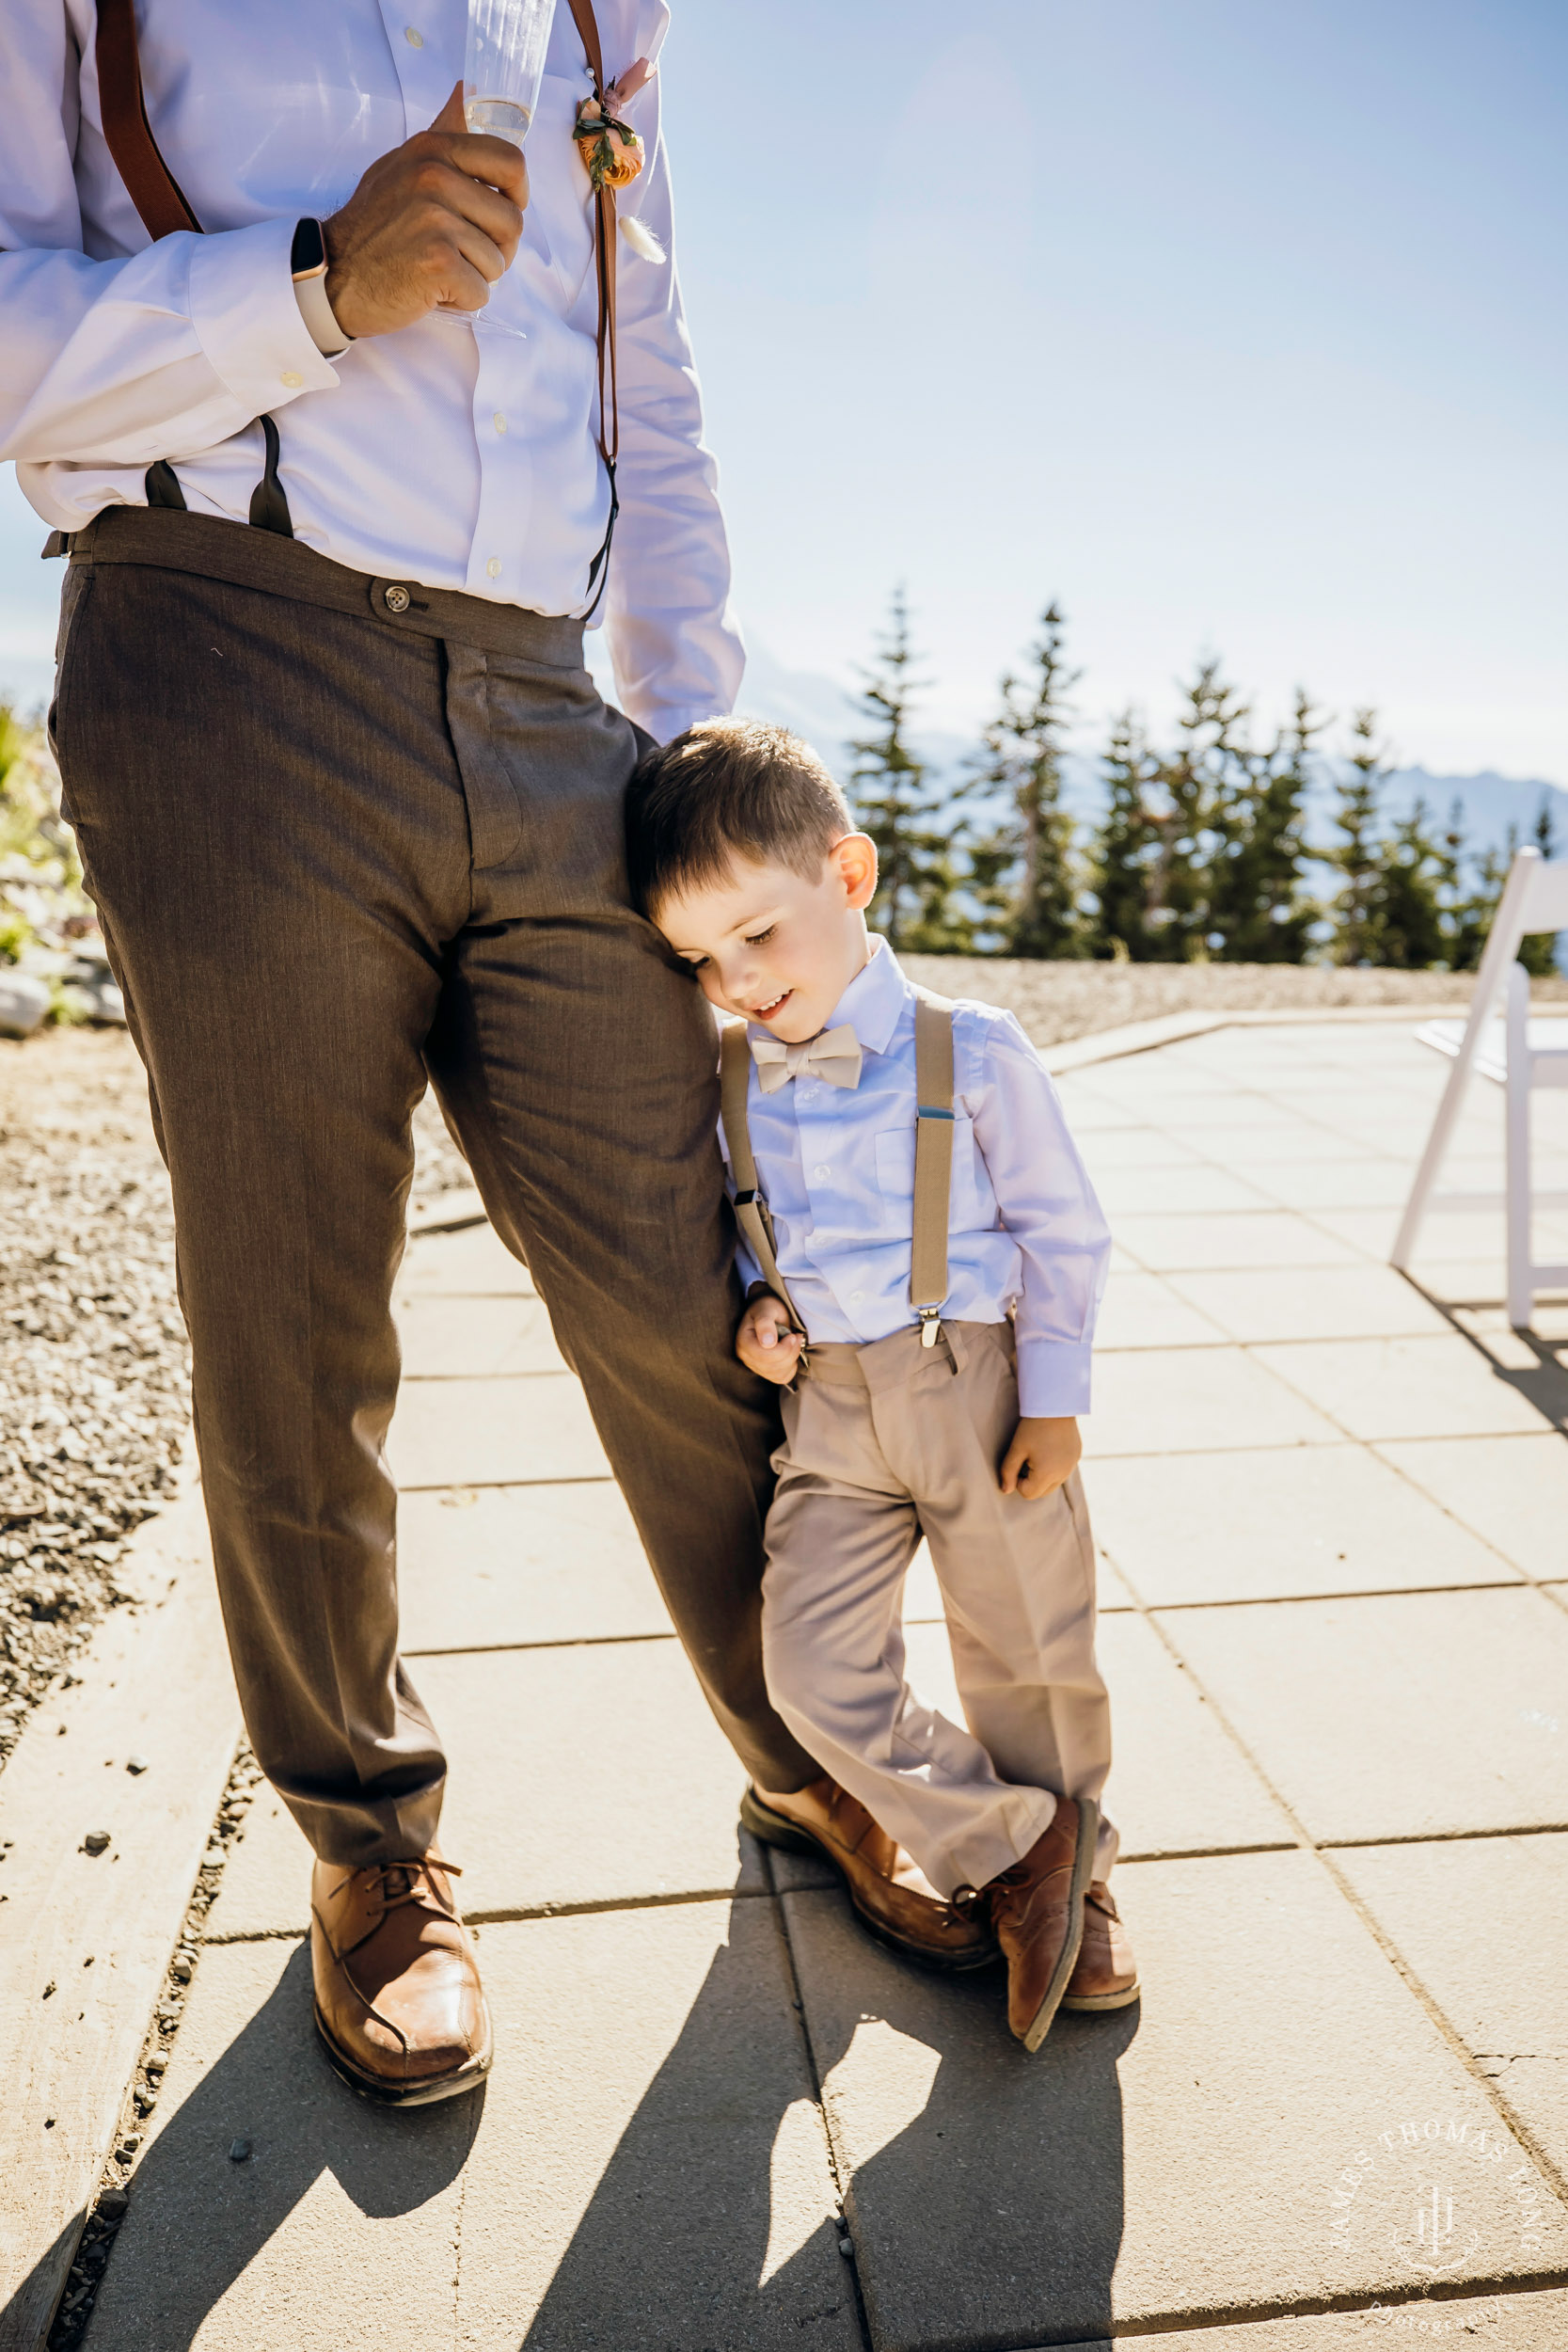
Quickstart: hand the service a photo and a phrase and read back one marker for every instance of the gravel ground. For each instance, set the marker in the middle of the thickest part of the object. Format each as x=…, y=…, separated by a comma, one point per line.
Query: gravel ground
x=94, y=1375
x=1058, y=1001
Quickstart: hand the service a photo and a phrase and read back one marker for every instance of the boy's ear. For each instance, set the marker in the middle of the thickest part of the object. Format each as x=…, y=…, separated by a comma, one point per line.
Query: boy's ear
x=854, y=859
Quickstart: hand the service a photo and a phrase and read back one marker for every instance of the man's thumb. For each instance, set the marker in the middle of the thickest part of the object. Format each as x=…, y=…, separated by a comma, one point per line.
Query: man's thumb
x=450, y=115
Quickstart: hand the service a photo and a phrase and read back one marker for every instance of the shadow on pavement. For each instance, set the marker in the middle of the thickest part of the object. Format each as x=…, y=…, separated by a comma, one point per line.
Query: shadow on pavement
x=998, y=2203
x=197, y=2219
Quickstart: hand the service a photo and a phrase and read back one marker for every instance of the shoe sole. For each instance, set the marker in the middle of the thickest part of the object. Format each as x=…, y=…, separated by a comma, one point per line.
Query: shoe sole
x=1083, y=1861
x=420, y=2094
x=776, y=1829
x=1096, y=2002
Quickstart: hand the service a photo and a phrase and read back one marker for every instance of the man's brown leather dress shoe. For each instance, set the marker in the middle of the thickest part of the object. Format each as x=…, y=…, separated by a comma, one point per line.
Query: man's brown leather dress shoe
x=399, y=2004
x=1037, y=1909
x=1106, y=1975
x=892, y=1897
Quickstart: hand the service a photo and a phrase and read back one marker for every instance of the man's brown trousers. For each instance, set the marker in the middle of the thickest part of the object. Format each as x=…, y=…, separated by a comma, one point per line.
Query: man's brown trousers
x=342, y=832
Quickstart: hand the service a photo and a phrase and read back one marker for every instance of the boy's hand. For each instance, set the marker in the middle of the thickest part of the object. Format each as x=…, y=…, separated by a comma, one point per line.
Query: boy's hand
x=765, y=1343
x=1043, y=1455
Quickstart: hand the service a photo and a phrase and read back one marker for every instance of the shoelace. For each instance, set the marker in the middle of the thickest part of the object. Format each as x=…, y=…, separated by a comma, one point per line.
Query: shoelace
x=400, y=1880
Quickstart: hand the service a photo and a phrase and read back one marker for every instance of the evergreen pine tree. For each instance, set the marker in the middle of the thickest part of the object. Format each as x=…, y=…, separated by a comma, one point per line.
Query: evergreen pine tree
x=1194, y=840
x=1355, y=855
x=1260, y=911
x=1404, y=909
x=1023, y=871
x=1126, y=849
x=915, y=904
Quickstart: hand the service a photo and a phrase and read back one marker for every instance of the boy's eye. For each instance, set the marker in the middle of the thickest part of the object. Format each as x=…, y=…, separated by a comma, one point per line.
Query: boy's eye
x=760, y=939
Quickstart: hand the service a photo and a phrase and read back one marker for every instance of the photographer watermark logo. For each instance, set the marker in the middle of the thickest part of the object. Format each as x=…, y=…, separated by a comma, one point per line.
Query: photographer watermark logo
x=1442, y=2196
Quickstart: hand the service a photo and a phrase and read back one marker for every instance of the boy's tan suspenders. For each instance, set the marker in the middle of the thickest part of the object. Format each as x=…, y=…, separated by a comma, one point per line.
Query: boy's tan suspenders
x=933, y=1161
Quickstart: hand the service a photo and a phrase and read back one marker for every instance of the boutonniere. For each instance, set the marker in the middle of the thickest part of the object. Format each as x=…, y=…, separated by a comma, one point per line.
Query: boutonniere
x=613, y=151
x=609, y=147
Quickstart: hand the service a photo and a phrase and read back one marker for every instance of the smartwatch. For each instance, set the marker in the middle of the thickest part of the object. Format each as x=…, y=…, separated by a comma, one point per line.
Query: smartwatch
x=307, y=267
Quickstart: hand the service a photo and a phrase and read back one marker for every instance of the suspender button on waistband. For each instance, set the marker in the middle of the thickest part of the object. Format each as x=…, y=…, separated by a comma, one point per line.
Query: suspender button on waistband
x=396, y=599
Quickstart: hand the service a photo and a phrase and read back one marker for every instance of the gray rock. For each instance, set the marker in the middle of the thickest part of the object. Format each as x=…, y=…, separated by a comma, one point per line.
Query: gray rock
x=23, y=1003
x=97, y=1840
x=239, y=2151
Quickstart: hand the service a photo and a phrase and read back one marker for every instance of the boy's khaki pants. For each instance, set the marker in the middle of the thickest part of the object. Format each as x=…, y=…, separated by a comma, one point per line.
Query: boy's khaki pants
x=883, y=1443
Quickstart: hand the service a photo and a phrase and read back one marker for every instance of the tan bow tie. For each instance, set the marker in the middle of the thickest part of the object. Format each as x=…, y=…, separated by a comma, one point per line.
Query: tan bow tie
x=835, y=1056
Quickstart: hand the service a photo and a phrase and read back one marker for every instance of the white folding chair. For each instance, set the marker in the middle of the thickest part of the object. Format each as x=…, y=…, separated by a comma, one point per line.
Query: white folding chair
x=1516, y=1053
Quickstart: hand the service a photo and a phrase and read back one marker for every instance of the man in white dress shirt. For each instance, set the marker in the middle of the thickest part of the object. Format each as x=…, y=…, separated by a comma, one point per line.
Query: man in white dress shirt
x=351, y=809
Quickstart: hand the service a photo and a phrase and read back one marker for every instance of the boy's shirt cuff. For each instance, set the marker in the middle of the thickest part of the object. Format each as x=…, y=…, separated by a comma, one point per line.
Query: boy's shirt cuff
x=1053, y=1378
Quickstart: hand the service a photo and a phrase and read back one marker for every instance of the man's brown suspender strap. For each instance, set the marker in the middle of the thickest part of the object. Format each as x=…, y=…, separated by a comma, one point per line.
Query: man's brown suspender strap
x=606, y=253
x=165, y=211
x=933, y=1161
x=148, y=182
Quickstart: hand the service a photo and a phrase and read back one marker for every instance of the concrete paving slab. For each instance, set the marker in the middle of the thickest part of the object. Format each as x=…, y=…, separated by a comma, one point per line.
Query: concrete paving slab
x=1447, y=1237
x=1266, y=1237
x=1439, y=1386
x=1517, y=2320
x=494, y=1433
x=1176, y=1191
x=338, y=2233
x=1144, y=1310
x=1167, y=2162
x=1256, y=1149
x=576, y=1777
x=1424, y=1715
x=651, y=2167
x=1108, y=1149
x=1180, y=1785
x=1513, y=1490
x=646, y=2163
x=1191, y=1400
x=446, y=1339
x=1356, y=1184
x=1454, y=1910
x=475, y=1264
x=1284, y=1524
x=1322, y=1303
x=498, y=1566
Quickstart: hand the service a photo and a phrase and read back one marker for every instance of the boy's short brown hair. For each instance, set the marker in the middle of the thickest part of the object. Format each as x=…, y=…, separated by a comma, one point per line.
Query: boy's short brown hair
x=728, y=788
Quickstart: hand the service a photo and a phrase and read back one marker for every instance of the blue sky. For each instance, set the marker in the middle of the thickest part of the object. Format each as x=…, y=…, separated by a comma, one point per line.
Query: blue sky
x=1231, y=326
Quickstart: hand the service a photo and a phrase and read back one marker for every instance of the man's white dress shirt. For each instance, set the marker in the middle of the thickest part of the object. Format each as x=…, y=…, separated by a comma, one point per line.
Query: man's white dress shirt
x=460, y=455
x=837, y=1168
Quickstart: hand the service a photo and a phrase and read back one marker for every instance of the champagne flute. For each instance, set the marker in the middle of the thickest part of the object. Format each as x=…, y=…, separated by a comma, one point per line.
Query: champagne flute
x=503, y=65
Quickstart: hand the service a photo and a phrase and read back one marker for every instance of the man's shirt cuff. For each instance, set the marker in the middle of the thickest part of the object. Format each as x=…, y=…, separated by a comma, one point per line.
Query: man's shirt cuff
x=1053, y=1378
x=244, y=311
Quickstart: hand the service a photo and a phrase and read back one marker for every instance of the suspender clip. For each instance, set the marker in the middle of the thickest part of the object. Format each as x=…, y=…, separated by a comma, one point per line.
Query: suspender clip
x=930, y=1325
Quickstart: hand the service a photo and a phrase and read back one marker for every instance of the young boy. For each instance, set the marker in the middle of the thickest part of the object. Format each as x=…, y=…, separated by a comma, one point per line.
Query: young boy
x=928, y=1311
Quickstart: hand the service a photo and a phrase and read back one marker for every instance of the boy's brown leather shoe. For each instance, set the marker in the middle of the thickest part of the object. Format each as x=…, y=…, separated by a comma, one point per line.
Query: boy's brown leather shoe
x=1037, y=1910
x=1106, y=1975
x=399, y=2005
x=892, y=1897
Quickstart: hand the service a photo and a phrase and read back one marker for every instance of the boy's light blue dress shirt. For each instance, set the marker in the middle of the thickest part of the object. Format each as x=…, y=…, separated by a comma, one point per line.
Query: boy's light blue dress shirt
x=837, y=1168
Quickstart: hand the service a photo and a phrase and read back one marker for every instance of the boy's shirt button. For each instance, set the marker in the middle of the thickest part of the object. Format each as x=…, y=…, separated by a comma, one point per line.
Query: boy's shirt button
x=821, y=1174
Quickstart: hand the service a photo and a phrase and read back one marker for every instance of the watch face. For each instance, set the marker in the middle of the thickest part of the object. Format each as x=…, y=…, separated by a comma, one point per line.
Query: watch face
x=310, y=249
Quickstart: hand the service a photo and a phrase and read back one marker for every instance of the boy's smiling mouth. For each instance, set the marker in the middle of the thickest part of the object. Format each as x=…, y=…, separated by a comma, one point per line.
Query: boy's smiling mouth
x=771, y=1011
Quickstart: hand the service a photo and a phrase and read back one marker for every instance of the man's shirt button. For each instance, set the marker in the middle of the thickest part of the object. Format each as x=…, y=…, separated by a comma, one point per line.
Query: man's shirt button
x=498, y=421
x=292, y=378
x=415, y=40
x=820, y=1174
x=856, y=1297
x=494, y=568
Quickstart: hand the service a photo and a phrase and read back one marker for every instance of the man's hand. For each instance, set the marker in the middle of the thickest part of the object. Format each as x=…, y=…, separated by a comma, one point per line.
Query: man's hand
x=1043, y=1455
x=437, y=220
x=765, y=1343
